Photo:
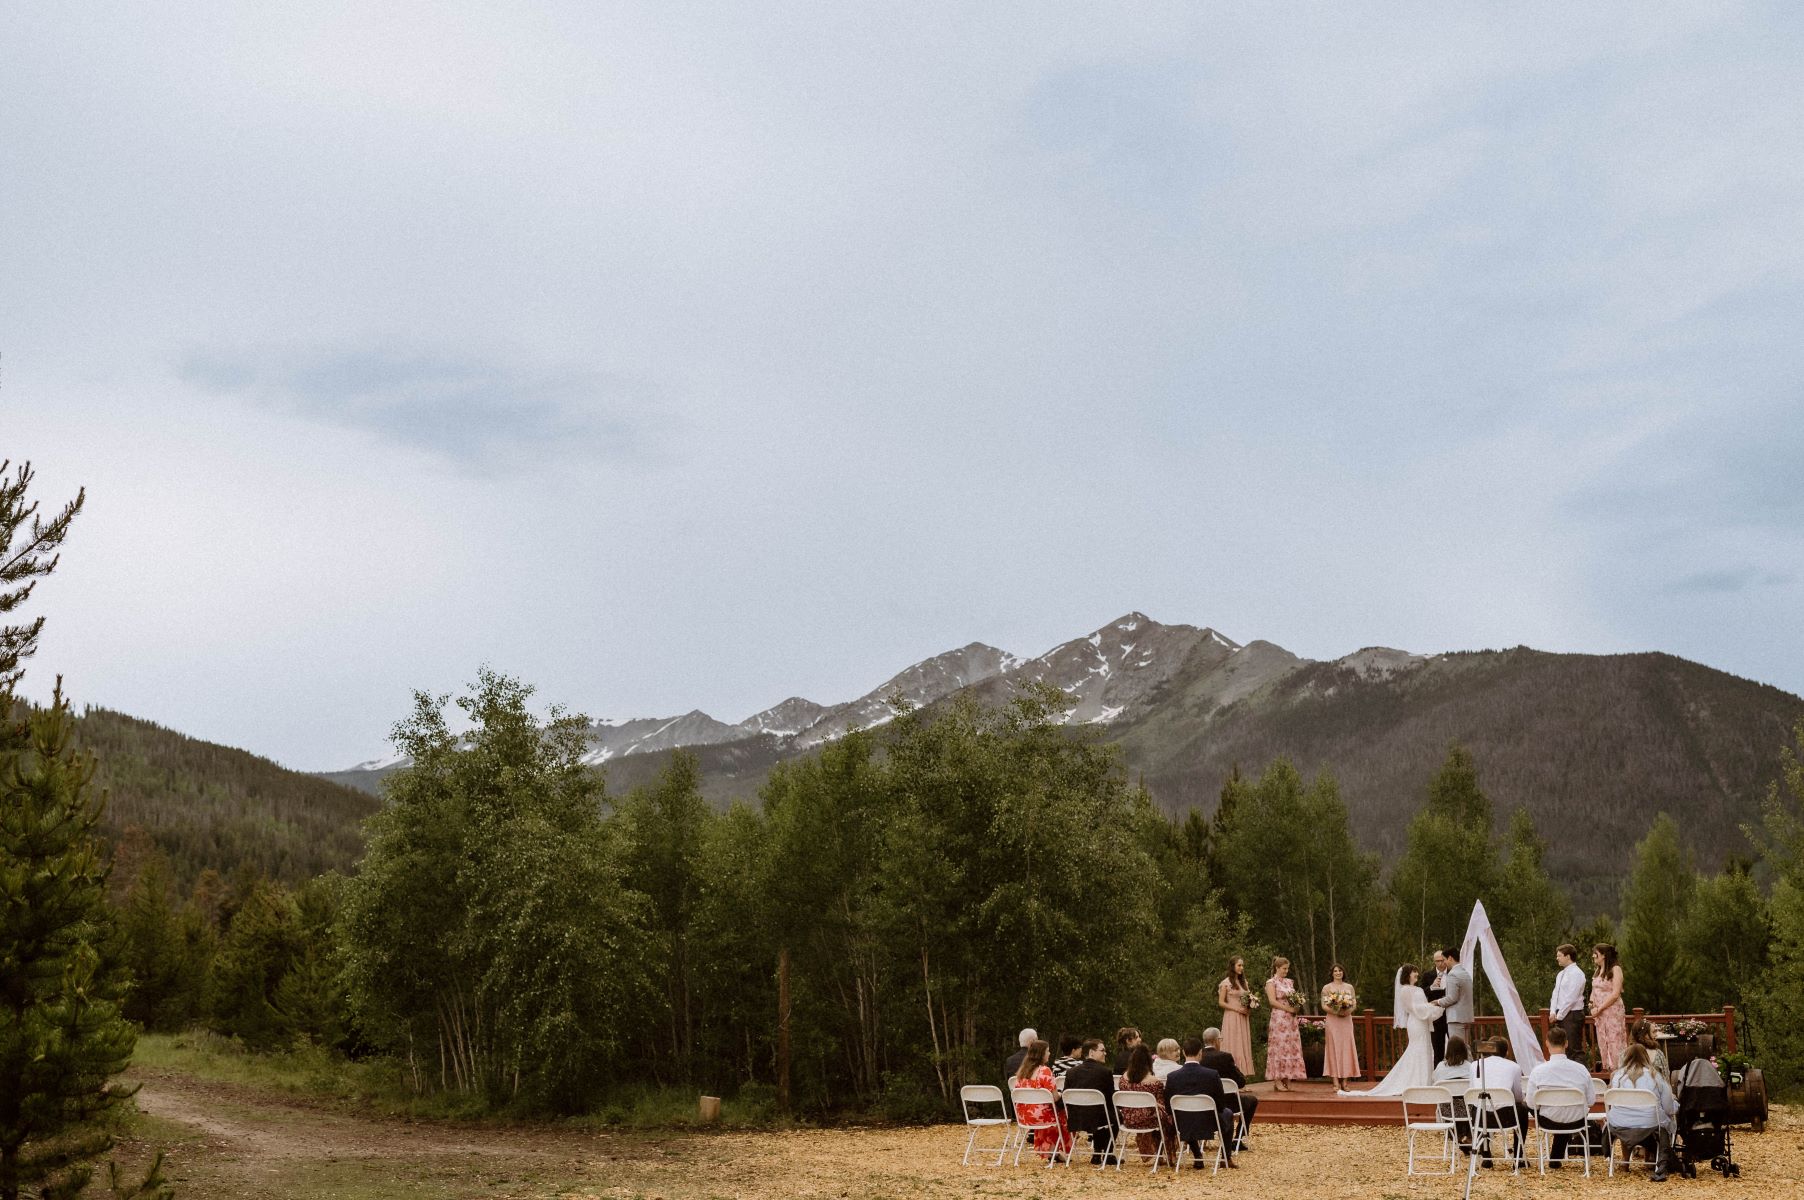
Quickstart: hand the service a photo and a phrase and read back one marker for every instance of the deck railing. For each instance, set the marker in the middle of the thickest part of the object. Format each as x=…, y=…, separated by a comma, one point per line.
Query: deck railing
x=1381, y=1044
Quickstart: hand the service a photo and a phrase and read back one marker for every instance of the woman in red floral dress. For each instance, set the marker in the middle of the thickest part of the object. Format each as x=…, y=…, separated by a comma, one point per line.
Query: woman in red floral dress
x=1036, y=1072
x=1284, y=1036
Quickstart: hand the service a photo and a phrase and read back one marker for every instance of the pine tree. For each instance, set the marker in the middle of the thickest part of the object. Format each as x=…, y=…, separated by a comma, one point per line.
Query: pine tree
x=26, y=556
x=1448, y=861
x=62, y=1037
x=1777, y=1004
x=1656, y=902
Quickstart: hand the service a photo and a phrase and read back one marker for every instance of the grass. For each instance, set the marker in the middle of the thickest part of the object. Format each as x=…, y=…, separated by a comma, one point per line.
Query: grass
x=380, y=1085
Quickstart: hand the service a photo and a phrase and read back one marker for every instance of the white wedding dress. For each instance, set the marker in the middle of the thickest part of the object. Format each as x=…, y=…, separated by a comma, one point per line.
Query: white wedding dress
x=1416, y=1067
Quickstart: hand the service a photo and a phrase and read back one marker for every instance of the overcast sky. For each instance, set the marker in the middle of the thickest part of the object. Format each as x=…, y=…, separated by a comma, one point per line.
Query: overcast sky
x=673, y=356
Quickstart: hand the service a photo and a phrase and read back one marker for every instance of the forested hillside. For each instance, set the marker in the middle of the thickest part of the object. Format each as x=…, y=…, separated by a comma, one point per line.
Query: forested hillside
x=1592, y=746
x=206, y=805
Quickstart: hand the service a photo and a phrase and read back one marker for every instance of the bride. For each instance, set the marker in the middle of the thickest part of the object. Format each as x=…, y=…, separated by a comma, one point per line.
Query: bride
x=1416, y=1014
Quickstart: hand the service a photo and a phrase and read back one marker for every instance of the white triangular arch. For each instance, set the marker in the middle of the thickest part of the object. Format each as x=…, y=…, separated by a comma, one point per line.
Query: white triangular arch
x=1524, y=1045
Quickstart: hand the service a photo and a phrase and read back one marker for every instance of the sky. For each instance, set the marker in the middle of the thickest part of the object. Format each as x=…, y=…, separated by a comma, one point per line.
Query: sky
x=677, y=356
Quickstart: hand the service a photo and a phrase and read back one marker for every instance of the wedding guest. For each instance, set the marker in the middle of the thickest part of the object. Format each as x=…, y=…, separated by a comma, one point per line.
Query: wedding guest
x=1223, y=1064
x=1235, y=996
x=1562, y=1071
x=1495, y=1068
x=1641, y=1033
x=1144, y=1123
x=1126, y=1038
x=1195, y=1079
x=1061, y=1066
x=1454, y=1072
x=1637, y=1073
x=1606, y=1007
x=1568, y=1004
x=1340, y=1057
x=1036, y=1071
x=1092, y=1071
x=1167, y=1058
x=1284, y=1036
x=1026, y=1038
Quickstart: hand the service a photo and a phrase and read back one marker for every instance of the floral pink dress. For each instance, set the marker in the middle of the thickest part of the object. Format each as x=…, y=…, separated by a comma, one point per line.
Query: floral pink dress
x=1612, y=1026
x=1284, y=1038
x=1047, y=1141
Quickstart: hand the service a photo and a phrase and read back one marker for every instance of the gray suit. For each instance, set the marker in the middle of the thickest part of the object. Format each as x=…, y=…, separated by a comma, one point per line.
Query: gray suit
x=1456, y=998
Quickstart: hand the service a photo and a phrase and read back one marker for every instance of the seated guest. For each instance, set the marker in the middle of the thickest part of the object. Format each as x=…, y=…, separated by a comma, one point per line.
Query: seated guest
x=1642, y=1034
x=1194, y=1079
x=1092, y=1071
x=1455, y=1074
x=1632, y=1126
x=1036, y=1072
x=1067, y=1058
x=1126, y=1038
x=1166, y=1058
x=1026, y=1038
x=1561, y=1071
x=1223, y=1064
x=1139, y=1078
x=1496, y=1069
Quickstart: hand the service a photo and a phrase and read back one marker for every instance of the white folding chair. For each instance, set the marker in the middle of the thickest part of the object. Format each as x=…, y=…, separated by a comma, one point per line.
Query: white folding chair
x=981, y=1094
x=1024, y=1125
x=1126, y=1139
x=1618, y=1099
x=1197, y=1104
x=1238, y=1106
x=1087, y=1098
x=1440, y=1122
x=1545, y=1130
x=1492, y=1112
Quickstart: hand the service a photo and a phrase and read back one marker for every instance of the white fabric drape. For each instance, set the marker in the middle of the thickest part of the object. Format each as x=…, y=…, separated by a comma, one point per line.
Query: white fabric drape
x=1525, y=1047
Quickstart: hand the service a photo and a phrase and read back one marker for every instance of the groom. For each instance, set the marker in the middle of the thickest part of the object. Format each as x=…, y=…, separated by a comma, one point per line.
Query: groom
x=1455, y=999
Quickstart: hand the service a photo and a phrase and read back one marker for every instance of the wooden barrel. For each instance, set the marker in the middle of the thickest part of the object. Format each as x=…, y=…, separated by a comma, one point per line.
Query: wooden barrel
x=1747, y=1100
x=710, y=1109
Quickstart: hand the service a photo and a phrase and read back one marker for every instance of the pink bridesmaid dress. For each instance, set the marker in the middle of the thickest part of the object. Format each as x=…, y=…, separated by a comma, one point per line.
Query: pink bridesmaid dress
x=1340, y=1057
x=1612, y=1027
x=1284, y=1039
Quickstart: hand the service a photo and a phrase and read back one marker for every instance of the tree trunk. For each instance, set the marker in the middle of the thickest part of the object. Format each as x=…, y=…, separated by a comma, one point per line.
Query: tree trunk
x=783, y=1028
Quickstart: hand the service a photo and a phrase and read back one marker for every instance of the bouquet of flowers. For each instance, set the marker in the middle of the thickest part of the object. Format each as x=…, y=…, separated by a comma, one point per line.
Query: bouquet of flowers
x=1252, y=1001
x=1340, y=1004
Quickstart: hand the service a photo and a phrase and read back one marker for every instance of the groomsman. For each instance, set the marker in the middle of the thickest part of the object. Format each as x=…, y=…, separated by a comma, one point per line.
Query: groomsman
x=1568, y=1004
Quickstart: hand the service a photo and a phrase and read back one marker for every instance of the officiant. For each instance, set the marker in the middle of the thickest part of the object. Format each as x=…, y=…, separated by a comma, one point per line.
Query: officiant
x=1437, y=988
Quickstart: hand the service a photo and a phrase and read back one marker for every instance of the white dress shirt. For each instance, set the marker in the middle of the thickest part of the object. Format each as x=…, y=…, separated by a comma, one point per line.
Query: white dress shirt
x=1496, y=1071
x=1560, y=1071
x=1568, y=991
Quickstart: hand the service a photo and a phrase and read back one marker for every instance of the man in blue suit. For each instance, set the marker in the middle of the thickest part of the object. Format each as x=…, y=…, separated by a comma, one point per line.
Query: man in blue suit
x=1194, y=1079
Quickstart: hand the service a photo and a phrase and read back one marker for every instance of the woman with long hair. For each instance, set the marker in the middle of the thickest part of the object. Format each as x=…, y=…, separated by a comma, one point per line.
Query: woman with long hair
x=1412, y=1013
x=1340, y=1057
x=1606, y=1007
x=1235, y=996
x=1036, y=1071
x=1641, y=1033
x=1144, y=1123
x=1284, y=1036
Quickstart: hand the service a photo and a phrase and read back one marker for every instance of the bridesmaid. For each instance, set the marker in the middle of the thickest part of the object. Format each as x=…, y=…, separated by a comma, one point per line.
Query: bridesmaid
x=1340, y=1058
x=1283, y=1037
x=1606, y=1007
x=1235, y=996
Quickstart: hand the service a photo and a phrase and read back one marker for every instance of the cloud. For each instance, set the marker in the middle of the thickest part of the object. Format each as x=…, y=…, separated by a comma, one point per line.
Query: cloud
x=1719, y=582
x=483, y=417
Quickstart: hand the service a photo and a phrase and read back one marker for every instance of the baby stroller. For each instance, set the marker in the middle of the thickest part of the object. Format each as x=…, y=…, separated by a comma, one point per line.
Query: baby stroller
x=1703, y=1133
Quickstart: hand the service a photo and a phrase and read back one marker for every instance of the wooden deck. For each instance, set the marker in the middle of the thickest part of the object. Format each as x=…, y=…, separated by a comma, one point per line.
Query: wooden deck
x=1316, y=1103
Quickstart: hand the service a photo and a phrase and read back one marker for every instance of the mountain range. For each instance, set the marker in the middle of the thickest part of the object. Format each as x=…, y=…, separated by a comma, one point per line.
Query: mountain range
x=1591, y=745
